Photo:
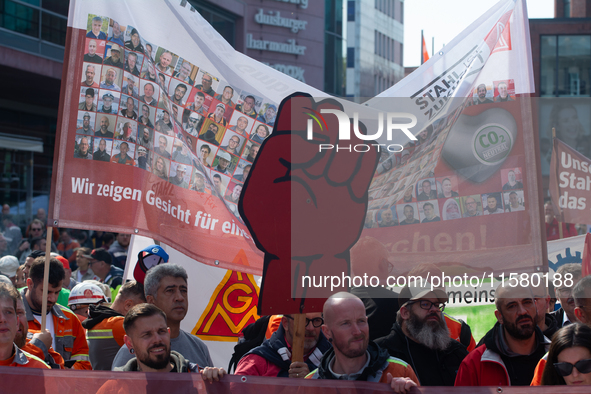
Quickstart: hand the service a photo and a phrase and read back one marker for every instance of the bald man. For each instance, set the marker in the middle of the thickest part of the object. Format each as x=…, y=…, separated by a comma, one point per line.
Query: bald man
x=353, y=356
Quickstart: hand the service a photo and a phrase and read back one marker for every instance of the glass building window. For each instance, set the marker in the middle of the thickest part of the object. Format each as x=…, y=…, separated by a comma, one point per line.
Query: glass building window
x=565, y=66
x=19, y=18
x=350, y=57
x=351, y=11
x=222, y=21
x=566, y=8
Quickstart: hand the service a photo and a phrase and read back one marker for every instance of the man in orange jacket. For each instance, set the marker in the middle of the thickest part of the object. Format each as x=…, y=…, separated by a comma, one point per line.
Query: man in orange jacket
x=67, y=332
x=10, y=354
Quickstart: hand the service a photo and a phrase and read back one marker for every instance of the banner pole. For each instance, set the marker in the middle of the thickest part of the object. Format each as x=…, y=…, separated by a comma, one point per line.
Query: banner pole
x=560, y=234
x=46, y=278
x=297, y=349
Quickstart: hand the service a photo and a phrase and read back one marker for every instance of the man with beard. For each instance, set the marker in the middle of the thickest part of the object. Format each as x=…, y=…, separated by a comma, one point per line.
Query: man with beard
x=145, y=139
x=115, y=58
x=179, y=94
x=512, y=349
x=104, y=130
x=91, y=56
x=471, y=207
x=421, y=337
x=269, y=116
x=83, y=151
x=165, y=286
x=130, y=89
x=109, y=82
x=85, y=129
x=68, y=338
x=101, y=154
x=273, y=357
x=481, y=91
x=197, y=104
x=353, y=356
x=149, y=338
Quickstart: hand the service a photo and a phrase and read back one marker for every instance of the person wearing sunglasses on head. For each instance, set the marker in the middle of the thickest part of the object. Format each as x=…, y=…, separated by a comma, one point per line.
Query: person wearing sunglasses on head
x=273, y=357
x=569, y=358
x=421, y=337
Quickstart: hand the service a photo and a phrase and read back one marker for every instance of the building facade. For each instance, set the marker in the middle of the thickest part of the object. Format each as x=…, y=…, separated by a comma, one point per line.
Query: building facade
x=375, y=37
x=561, y=56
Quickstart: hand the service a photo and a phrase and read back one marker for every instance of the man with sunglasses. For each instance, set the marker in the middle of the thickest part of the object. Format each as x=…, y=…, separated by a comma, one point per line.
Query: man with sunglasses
x=512, y=348
x=421, y=337
x=570, y=275
x=273, y=357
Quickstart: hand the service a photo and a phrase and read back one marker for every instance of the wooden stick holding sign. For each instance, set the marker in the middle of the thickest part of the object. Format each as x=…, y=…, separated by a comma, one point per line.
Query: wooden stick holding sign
x=46, y=279
x=560, y=234
x=299, y=335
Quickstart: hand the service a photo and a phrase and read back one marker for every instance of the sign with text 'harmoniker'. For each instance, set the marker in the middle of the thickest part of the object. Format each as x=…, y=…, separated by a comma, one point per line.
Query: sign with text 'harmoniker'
x=161, y=120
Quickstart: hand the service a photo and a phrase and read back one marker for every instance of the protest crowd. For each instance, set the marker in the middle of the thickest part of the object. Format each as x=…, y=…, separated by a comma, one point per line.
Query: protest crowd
x=98, y=321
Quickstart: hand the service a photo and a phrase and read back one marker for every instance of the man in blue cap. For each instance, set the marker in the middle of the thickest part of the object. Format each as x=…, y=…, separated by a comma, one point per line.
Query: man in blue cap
x=269, y=116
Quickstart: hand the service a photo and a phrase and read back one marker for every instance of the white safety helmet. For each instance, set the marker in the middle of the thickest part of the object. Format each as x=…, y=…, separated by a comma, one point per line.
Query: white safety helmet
x=86, y=293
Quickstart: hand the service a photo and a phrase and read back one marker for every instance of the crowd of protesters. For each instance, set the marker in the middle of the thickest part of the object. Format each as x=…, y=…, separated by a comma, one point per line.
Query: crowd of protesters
x=98, y=321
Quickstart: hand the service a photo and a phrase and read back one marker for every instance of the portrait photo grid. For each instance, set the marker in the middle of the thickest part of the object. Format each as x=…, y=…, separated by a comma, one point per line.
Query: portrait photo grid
x=142, y=105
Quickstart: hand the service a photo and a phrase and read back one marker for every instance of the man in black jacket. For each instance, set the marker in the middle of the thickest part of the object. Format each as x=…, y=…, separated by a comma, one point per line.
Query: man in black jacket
x=421, y=338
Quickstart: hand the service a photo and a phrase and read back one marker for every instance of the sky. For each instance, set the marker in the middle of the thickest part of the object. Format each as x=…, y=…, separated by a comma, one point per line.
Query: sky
x=445, y=19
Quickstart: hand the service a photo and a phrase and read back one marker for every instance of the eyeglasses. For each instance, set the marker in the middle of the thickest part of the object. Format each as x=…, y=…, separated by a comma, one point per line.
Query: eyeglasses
x=565, y=369
x=427, y=305
x=316, y=322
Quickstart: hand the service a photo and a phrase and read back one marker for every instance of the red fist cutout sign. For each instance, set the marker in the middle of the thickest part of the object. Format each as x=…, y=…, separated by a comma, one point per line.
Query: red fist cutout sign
x=305, y=206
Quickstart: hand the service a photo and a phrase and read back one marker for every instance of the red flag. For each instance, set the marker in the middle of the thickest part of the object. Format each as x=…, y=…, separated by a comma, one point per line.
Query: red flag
x=425, y=51
x=587, y=256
